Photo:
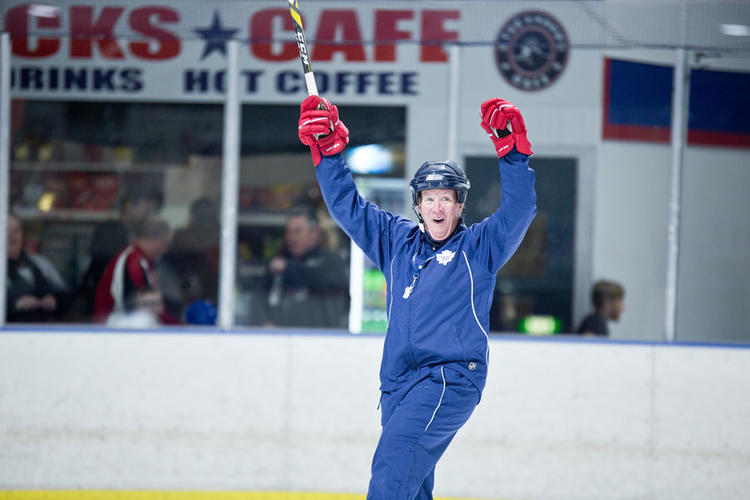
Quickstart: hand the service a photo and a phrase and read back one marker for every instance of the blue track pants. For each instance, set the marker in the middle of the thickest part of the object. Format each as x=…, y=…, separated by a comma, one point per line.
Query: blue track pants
x=419, y=421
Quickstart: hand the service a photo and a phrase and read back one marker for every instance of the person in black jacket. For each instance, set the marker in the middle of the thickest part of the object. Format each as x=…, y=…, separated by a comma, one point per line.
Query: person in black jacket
x=306, y=285
x=608, y=299
x=35, y=290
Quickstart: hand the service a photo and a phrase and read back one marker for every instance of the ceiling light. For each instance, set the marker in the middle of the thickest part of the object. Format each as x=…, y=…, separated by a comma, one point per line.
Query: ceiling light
x=735, y=29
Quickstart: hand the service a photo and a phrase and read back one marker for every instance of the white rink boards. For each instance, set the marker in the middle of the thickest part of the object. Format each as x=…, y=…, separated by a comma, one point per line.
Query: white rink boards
x=297, y=412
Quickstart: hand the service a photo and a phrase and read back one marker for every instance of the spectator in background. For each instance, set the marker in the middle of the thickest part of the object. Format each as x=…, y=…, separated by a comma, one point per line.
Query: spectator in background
x=608, y=298
x=35, y=290
x=306, y=285
x=111, y=236
x=132, y=270
x=194, y=253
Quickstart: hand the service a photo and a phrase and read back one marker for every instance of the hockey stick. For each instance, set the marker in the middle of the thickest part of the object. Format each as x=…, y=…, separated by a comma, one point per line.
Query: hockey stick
x=304, y=55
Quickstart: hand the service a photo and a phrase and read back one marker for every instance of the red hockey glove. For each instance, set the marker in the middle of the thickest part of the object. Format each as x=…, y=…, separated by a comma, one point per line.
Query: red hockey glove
x=504, y=124
x=321, y=129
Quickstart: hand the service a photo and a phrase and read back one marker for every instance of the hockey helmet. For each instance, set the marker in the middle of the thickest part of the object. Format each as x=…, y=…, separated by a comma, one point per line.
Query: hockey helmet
x=439, y=175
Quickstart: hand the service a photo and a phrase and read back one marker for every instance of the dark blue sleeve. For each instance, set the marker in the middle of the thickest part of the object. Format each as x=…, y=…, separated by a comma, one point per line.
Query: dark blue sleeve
x=496, y=238
x=372, y=229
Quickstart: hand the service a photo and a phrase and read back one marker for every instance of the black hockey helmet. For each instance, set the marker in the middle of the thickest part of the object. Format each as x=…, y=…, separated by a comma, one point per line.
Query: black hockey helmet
x=439, y=175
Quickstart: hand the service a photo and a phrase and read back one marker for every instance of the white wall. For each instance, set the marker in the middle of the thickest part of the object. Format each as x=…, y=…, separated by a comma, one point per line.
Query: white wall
x=630, y=229
x=713, y=292
x=630, y=238
x=558, y=420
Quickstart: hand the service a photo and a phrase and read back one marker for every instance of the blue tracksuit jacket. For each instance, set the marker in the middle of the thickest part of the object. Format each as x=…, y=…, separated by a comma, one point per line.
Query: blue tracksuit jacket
x=438, y=301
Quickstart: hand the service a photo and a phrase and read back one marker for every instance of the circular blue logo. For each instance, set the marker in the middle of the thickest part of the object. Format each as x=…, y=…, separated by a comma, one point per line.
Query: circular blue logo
x=531, y=50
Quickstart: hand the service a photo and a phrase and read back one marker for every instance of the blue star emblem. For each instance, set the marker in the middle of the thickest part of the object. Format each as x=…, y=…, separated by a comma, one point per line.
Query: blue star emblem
x=215, y=36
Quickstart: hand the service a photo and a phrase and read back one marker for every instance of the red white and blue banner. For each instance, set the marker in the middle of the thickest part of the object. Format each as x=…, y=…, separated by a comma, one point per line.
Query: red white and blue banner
x=638, y=104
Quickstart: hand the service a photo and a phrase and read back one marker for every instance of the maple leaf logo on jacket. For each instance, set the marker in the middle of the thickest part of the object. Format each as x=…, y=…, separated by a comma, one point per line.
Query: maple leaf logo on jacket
x=445, y=256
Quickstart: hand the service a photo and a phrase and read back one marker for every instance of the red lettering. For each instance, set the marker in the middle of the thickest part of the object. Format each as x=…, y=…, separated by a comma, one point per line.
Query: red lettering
x=17, y=24
x=168, y=45
x=332, y=22
x=385, y=31
x=433, y=33
x=86, y=31
x=261, y=28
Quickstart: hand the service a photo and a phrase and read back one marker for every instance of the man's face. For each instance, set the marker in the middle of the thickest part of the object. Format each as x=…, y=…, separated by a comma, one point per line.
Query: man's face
x=299, y=236
x=15, y=237
x=615, y=308
x=441, y=211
